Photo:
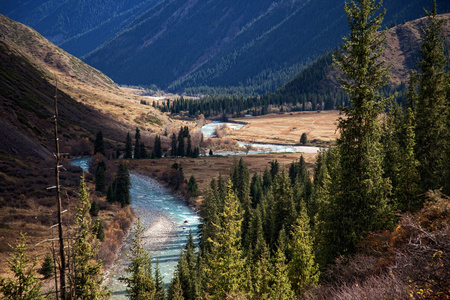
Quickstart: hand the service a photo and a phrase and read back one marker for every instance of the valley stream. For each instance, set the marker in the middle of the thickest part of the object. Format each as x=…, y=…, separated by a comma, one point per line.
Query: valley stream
x=167, y=221
x=166, y=218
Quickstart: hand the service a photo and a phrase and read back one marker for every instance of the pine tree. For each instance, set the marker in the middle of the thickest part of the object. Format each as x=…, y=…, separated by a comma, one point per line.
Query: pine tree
x=283, y=210
x=175, y=289
x=24, y=285
x=189, y=147
x=137, y=144
x=225, y=261
x=187, y=270
x=87, y=277
x=157, y=151
x=140, y=283
x=281, y=286
x=192, y=186
x=159, y=284
x=431, y=107
x=48, y=268
x=99, y=230
x=303, y=139
x=173, y=145
x=94, y=210
x=100, y=177
x=303, y=270
x=360, y=196
x=121, y=186
x=99, y=146
x=262, y=275
x=180, y=143
x=128, y=148
x=142, y=151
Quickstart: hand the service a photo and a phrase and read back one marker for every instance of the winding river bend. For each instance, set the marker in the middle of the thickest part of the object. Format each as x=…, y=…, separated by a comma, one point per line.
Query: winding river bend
x=167, y=220
x=166, y=217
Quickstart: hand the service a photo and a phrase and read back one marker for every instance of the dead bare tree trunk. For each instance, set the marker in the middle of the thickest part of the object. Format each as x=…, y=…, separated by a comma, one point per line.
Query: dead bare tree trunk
x=62, y=270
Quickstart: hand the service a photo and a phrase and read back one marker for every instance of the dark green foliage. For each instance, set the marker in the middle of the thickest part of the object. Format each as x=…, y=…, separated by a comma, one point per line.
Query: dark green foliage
x=188, y=272
x=157, y=151
x=429, y=100
x=176, y=176
x=256, y=190
x=274, y=168
x=159, y=284
x=173, y=145
x=282, y=209
x=175, y=289
x=400, y=163
x=48, y=267
x=23, y=285
x=249, y=59
x=128, y=148
x=142, y=151
x=99, y=230
x=99, y=146
x=358, y=200
x=303, y=139
x=192, y=186
x=137, y=144
x=100, y=177
x=119, y=190
x=94, y=209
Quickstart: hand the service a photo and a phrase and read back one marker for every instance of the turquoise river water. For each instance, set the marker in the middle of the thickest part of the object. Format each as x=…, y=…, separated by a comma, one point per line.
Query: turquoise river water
x=167, y=220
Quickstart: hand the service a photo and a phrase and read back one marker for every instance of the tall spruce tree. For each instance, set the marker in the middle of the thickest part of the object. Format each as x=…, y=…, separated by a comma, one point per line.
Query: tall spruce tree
x=121, y=186
x=429, y=87
x=87, y=276
x=140, y=283
x=100, y=177
x=173, y=145
x=157, y=151
x=128, y=148
x=360, y=193
x=303, y=269
x=281, y=288
x=137, y=144
x=99, y=146
x=225, y=265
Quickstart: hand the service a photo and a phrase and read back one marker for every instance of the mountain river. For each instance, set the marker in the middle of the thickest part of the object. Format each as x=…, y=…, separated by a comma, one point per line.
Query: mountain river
x=166, y=218
x=167, y=221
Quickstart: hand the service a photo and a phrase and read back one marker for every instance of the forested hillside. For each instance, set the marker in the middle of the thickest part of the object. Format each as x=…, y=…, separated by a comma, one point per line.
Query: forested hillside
x=200, y=47
x=317, y=86
x=253, y=48
x=78, y=27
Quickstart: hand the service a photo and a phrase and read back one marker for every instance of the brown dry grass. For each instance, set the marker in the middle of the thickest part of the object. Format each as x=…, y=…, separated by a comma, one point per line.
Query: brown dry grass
x=287, y=128
x=207, y=167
